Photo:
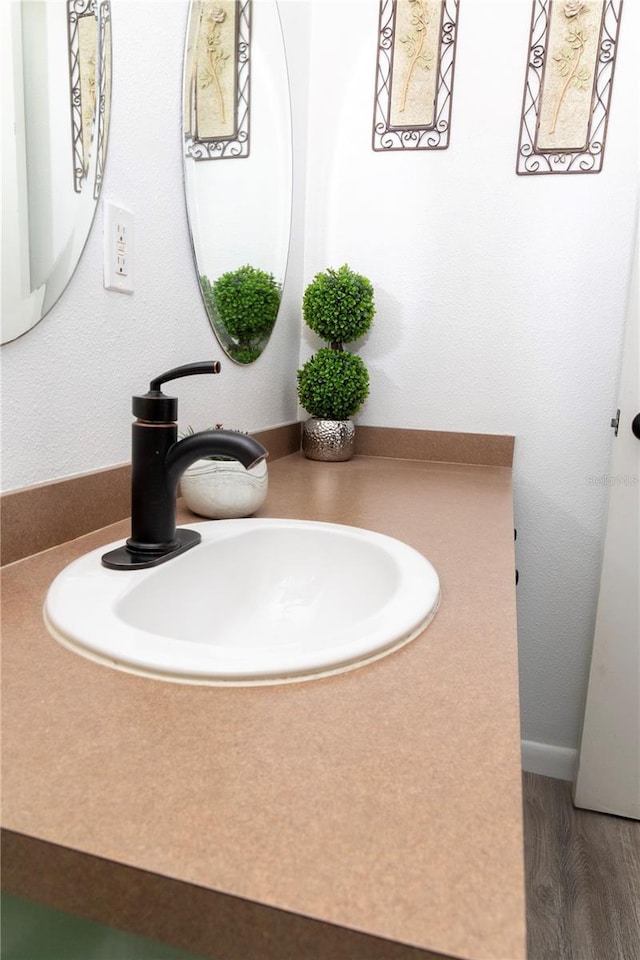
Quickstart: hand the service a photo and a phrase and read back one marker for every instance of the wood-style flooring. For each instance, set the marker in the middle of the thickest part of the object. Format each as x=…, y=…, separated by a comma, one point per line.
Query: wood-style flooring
x=582, y=876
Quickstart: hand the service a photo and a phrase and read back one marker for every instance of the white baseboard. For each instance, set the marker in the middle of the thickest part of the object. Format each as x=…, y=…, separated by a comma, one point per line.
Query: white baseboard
x=550, y=761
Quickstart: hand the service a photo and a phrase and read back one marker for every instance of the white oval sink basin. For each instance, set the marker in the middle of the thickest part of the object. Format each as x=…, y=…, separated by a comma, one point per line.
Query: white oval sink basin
x=258, y=601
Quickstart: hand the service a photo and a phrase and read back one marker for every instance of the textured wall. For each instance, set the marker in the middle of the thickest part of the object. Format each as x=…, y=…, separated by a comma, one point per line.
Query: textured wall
x=66, y=385
x=501, y=302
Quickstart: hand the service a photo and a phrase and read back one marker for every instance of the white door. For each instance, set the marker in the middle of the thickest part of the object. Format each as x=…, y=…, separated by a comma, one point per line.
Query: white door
x=609, y=761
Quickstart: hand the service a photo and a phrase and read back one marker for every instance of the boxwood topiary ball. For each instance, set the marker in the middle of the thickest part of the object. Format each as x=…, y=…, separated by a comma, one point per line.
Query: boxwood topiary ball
x=333, y=384
x=338, y=305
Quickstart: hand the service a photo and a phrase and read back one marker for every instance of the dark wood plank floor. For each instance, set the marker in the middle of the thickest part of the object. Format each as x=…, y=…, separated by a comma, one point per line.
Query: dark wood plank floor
x=583, y=878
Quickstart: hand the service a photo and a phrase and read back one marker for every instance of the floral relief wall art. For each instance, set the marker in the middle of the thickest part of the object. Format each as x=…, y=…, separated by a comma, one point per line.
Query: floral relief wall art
x=216, y=107
x=414, y=76
x=568, y=86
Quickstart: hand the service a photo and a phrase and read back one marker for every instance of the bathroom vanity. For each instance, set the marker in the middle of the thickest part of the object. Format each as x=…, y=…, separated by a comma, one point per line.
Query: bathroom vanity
x=372, y=815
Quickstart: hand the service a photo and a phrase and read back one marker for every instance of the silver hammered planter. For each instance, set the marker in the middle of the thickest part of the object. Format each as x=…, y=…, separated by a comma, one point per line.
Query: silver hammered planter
x=328, y=439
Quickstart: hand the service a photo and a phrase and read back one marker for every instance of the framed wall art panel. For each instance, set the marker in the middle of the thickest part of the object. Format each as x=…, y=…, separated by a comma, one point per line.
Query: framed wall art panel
x=414, y=76
x=567, y=93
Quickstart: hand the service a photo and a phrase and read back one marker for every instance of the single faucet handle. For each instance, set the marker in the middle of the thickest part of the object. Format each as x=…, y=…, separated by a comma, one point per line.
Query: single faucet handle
x=186, y=370
x=155, y=406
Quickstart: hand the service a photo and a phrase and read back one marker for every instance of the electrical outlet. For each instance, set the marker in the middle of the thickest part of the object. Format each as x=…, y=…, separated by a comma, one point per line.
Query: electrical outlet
x=118, y=248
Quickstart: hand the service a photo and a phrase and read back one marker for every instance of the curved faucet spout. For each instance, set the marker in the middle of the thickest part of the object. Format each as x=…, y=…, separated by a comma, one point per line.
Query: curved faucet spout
x=211, y=443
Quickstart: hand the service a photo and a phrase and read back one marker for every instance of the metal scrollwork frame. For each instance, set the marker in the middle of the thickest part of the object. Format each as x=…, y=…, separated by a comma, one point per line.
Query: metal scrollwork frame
x=237, y=146
x=76, y=9
x=103, y=106
x=432, y=137
x=530, y=159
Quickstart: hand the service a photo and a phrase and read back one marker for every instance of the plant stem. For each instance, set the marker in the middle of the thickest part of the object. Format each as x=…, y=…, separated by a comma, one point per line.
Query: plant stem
x=416, y=56
x=214, y=70
x=556, y=112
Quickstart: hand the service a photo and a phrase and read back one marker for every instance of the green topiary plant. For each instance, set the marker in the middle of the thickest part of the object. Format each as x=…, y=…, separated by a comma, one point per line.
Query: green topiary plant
x=338, y=305
x=245, y=302
x=333, y=384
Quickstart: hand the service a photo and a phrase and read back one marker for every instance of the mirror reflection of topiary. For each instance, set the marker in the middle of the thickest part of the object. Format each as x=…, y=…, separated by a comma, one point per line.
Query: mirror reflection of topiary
x=338, y=305
x=245, y=302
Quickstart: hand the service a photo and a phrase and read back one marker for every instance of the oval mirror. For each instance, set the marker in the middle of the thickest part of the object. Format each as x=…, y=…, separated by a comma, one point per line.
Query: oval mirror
x=238, y=166
x=56, y=88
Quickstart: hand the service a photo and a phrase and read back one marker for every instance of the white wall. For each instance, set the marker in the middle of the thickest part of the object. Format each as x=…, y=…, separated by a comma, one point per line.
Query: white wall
x=500, y=298
x=500, y=302
x=67, y=384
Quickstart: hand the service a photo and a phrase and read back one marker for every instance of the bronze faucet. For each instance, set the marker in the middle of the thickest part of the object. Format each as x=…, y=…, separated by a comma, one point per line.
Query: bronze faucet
x=158, y=460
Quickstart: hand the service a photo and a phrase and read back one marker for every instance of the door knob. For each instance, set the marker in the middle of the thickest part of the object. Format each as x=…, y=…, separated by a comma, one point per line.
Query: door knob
x=635, y=426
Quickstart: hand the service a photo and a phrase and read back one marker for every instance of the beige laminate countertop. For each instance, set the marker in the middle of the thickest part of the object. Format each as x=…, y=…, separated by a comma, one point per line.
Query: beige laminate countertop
x=373, y=814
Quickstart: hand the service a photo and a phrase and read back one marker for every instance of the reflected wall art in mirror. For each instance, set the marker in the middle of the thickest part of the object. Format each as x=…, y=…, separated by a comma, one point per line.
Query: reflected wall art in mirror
x=238, y=166
x=56, y=91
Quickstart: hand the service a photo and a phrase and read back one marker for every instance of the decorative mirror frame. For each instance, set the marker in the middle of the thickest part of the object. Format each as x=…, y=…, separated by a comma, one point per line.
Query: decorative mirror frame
x=433, y=136
x=589, y=158
x=237, y=145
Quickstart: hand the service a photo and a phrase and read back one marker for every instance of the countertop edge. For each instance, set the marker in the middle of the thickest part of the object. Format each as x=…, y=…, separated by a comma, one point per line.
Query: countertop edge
x=178, y=913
